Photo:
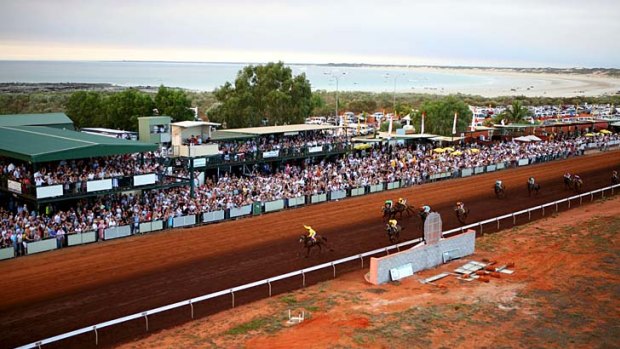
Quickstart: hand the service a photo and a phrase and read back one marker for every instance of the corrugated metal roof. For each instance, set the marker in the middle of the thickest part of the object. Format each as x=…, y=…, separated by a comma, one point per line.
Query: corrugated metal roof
x=282, y=129
x=44, y=119
x=42, y=144
x=224, y=135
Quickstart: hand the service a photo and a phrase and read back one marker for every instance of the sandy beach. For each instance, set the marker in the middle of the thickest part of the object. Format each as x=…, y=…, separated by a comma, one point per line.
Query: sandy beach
x=506, y=83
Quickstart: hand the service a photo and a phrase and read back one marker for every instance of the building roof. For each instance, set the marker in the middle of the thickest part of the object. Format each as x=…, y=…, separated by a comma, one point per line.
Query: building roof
x=220, y=135
x=406, y=135
x=282, y=129
x=43, y=144
x=187, y=124
x=44, y=119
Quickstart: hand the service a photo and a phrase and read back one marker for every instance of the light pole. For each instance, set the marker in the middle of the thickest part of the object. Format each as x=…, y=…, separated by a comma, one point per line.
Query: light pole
x=337, y=77
x=394, y=95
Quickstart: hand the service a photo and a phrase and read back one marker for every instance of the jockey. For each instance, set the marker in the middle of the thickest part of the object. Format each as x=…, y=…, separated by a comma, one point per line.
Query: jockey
x=531, y=181
x=576, y=178
x=426, y=209
x=460, y=206
x=392, y=223
x=498, y=183
x=567, y=175
x=402, y=201
x=311, y=232
x=388, y=203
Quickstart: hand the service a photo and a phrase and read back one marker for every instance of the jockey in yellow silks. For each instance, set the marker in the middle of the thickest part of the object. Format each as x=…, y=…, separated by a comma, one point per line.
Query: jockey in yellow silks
x=392, y=223
x=402, y=201
x=311, y=232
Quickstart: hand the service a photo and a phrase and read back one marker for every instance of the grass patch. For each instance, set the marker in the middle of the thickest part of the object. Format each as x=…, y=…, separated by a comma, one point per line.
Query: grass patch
x=267, y=324
x=289, y=299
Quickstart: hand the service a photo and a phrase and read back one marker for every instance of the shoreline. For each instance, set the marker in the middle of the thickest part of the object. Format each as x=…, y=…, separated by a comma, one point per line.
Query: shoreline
x=501, y=82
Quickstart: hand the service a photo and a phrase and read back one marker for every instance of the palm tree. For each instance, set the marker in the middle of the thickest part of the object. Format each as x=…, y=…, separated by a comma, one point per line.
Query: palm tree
x=514, y=114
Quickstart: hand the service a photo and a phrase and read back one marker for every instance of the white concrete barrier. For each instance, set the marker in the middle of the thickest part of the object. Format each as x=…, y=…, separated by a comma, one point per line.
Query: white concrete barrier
x=117, y=232
x=358, y=191
x=318, y=198
x=213, y=216
x=240, y=211
x=7, y=253
x=41, y=246
x=337, y=195
x=275, y=205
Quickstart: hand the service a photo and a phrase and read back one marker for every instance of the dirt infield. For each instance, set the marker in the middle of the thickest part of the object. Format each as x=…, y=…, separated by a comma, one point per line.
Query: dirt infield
x=44, y=295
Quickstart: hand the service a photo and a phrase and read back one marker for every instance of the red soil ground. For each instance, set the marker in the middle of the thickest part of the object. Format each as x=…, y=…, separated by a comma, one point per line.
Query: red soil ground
x=51, y=293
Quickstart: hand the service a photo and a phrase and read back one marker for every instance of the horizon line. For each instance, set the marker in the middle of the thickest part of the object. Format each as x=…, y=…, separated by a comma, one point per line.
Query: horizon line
x=341, y=64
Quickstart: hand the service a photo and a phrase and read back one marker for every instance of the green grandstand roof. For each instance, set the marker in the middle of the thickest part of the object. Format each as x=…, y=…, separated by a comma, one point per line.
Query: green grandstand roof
x=45, y=119
x=43, y=144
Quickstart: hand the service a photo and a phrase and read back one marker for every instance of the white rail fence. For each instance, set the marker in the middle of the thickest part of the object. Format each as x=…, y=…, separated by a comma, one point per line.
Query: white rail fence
x=302, y=272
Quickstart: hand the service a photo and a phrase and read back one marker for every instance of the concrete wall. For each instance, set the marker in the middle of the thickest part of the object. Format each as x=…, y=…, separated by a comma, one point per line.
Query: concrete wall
x=422, y=256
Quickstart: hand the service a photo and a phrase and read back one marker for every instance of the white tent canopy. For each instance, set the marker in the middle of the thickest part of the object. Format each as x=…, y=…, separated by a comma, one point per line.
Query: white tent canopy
x=530, y=138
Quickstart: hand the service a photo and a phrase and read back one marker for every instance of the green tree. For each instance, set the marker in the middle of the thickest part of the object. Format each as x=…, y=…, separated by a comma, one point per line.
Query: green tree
x=174, y=103
x=264, y=94
x=514, y=114
x=440, y=116
x=123, y=109
x=86, y=108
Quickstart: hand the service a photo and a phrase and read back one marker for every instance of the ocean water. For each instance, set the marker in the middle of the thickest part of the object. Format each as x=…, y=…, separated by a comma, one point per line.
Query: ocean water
x=208, y=76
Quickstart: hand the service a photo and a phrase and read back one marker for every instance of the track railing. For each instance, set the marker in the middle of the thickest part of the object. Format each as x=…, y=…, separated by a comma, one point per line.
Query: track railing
x=302, y=272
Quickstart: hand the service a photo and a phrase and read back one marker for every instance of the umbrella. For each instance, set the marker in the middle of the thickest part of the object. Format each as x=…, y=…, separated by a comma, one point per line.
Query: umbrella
x=607, y=132
x=438, y=150
x=474, y=150
x=589, y=135
x=457, y=153
x=362, y=146
x=448, y=149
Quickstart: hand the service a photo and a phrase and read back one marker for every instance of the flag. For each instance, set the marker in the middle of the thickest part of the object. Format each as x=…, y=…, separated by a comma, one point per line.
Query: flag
x=390, y=127
x=473, y=119
x=422, y=126
x=454, y=124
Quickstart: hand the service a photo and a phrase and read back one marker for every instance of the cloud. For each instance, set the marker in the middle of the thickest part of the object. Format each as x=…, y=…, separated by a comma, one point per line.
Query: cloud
x=554, y=33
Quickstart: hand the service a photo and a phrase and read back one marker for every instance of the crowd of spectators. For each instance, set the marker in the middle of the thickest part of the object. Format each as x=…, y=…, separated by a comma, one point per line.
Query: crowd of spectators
x=248, y=149
x=387, y=163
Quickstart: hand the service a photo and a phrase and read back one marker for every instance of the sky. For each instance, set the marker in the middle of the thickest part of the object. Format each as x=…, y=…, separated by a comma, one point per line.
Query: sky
x=505, y=33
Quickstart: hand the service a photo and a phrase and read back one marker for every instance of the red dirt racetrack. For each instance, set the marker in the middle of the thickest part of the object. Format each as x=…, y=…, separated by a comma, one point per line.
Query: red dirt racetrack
x=56, y=292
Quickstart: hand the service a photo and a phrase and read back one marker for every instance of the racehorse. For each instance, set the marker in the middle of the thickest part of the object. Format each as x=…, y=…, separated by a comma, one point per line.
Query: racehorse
x=500, y=190
x=388, y=213
x=400, y=208
x=535, y=187
x=461, y=214
x=309, y=244
x=577, y=183
x=568, y=181
x=393, y=233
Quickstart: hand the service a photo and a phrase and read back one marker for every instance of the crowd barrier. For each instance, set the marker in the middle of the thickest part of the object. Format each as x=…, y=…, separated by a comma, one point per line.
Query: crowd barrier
x=7, y=253
x=376, y=188
x=318, y=198
x=183, y=221
x=148, y=227
x=42, y=246
x=338, y=194
x=298, y=201
x=393, y=185
x=302, y=272
x=213, y=216
x=276, y=205
x=117, y=232
x=240, y=211
x=82, y=238
x=358, y=191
